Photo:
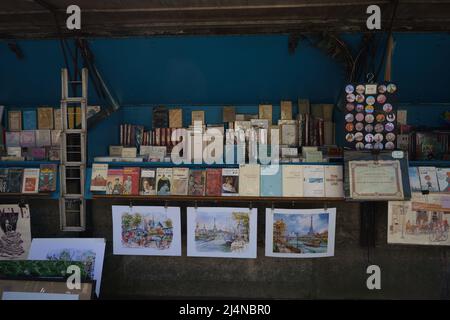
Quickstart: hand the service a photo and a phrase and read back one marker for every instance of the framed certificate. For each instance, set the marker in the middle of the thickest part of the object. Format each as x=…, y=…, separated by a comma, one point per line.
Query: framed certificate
x=375, y=180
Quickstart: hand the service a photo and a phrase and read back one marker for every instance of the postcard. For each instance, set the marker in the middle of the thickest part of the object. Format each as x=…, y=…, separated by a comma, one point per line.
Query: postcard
x=15, y=233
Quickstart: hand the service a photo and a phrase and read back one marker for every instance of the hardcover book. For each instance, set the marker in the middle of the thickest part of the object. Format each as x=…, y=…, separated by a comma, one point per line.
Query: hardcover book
x=115, y=151
x=292, y=181
x=148, y=182
x=249, y=180
x=99, y=176
x=70, y=117
x=47, y=177
x=265, y=112
x=414, y=179
x=180, y=181
x=443, y=176
x=43, y=138
x=213, y=182
x=197, y=182
x=271, y=181
x=198, y=116
x=229, y=114
x=54, y=154
x=14, y=151
x=29, y=120
x=3, y=180
x=286, y=110
x=15, y=177
x=131, y=180
x=313, y=181
x=15, y=120
x=57, y=119
x=28, y=138
x=230, y=182
x=36, y=153
x=30, y=182
x=175, y=118
x=163, y=181
x=12, y=139
x=129, y=152
x=334, y=182
x=77, y=117
x=55, y=138
x=45, y=118
x=114, y=181
x=160, y=117
x=428, y=179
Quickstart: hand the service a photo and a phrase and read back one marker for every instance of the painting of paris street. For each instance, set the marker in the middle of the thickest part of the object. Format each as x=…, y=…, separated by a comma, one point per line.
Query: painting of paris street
x=222, y=232
x=293, y=233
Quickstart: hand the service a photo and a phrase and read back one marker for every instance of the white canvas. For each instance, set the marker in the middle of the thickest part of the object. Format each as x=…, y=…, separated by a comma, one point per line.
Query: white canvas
x=221, y=232
x=72, y=249
x=300, y=233
x=158, y=233
x=15, y=233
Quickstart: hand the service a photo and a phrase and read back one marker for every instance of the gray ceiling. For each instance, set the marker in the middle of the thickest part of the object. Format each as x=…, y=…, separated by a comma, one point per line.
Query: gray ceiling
x=118, y=18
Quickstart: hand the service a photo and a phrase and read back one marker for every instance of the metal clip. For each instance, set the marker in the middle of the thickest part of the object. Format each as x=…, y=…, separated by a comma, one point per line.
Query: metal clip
x=325, y=207
x=131, y=206
x=250, y=206
x=166, y=204
x=273, y=207
x=195, y=205
x=293, y=204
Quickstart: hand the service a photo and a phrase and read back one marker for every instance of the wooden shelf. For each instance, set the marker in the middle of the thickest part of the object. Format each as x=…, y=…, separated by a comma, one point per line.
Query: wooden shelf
x=26, y=195
x=26, y=163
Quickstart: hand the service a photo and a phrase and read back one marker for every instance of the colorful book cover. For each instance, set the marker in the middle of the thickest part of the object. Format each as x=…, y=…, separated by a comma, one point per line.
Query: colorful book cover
x=271, y=181
x=230, y=182
x=414, y=180
x=30, y=182
x=99, y=176
x=15, y=180
x=114, y=182
x=443, y=176
x=213, y=182
x=428, y=179
x=164, y=181
x=197, y=182
x=131, y=180
x=180, y=180
x=43, y=138
x=37, y=153
x=47, y=177
x=3, y=180
x=12, y=139
x=28, y=138
x=29, y=120
x=148, y=182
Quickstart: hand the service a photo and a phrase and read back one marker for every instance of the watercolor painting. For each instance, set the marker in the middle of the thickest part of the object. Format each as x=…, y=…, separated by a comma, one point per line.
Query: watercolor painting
x=296, y=233
x=145, y=230
x=222, y=232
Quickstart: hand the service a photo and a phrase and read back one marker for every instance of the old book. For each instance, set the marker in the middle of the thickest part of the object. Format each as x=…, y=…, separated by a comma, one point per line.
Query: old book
x=15, y=177
x=265, y=112
x=57, y=119
x=14, y=120
x=313, y=181
x=131, y=180
x=328, y=132
x=180, y=181
x=175, y=118
x=271, y=181
x=334, y=182
x=70, y=117
x=37, y=153
x=14, y=151
x=154, y=153
x=313, y=156
x=29, y=120
x=12, y=139
x=292, y=180
x=28, y=138
x=115, y=151
x=45, y=118
x=229, y=114
x=56, y=138
x=163, y=181
x=129, y=152
x=213, y=182
x=443, y=176
x=197, y=182
x=160, y=117
x=198, y=116
x=30, y=182
x=99, y=176
x=77, y=117
x=3, y=180
x=303, y=106
x=47, y=177
x=249, y=180
x=286, y=110
x=317, y=110
x=114, y=181
x=54, y=154
x=230, y=182
x=428, y=179
x=148, y=182
x=43, y=138
x=289, y=135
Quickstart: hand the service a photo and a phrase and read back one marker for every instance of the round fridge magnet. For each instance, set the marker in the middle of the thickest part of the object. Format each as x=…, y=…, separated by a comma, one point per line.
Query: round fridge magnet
x=381, y=88
x=369, y=109
x=349, y=127
x=390, y=117
x=378, y=146
x=359, y=117
x=389, y=127
x=379, y=128
x=390, y=137
x=359, y=136
x=360, y=98
x=381, y=98
x=380, y=117
x=359, y=126
x=349, y=137
x=368, y=146
x=391, y=88
x=369, y=118
x=350, y=106
x=378, y=137
x=351, y=97
x=370, y=100
x=387, y=107
x=389, y=145
x=359, y=146
x=369, y=128
x=349, y=88
x=360, y=107
x=349, y=117
x=360, y=89
x=369, y=138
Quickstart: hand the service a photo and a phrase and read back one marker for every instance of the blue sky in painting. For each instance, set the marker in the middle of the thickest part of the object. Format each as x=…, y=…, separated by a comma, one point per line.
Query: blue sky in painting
x=224, y=220
x=300, y=222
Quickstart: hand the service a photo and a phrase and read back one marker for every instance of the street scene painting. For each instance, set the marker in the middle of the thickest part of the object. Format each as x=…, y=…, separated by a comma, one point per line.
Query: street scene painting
x=146, y=230
x=222, y=232
x=295, y=233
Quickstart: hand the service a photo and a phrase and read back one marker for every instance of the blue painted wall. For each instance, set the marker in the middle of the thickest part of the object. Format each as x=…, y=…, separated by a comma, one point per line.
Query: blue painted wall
x=217, y=70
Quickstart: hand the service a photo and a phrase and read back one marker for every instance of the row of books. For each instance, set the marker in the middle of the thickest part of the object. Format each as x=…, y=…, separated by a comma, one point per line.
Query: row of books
x=29, y=180
x=424, y=145
x=247, y=180
x=32, y=145
x=430, y=179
